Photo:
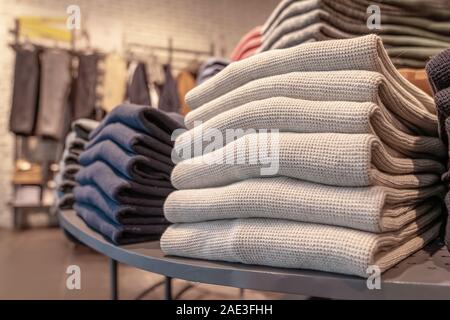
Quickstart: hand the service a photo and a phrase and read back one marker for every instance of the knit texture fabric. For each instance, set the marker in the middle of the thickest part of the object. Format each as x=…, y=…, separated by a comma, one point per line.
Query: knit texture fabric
x=290, y=244
x=438, y=70
x=305, y=116
x=373, y=209
x=352, y=160
x=350, y=85
x=362, y=53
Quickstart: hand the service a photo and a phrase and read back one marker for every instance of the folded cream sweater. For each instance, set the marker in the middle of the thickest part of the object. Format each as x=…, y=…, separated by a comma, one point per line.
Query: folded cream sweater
x=373, y=209
x=361, y=53
x=352, y=160
x=291, y=244
x=348, y=85
x=305, y=116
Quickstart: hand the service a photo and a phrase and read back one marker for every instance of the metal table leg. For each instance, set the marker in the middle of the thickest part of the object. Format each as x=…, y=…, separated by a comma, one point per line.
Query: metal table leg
x=113, y=279
x=168, y=288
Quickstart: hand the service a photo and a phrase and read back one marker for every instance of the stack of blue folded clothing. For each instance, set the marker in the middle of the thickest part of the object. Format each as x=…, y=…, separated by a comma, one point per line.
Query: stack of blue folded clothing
x=70, y=162
x=125, y=174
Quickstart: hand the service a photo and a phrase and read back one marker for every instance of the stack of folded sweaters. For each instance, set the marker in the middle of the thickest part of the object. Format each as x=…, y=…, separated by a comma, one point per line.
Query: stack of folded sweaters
x=357, y=156
x=125, y=174
x=438, y=70
x=70, y=162
x=412, y=32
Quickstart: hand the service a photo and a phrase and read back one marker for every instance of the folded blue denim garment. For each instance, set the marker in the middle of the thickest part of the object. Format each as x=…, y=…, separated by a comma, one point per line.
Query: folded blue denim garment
x=118, y=234
x=141, y=169
x=134, y=141
x=151, y=121
x=119, y=188
x=122, y=214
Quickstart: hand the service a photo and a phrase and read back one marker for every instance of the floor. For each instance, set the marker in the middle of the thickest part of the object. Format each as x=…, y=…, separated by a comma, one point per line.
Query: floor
x=33, y=265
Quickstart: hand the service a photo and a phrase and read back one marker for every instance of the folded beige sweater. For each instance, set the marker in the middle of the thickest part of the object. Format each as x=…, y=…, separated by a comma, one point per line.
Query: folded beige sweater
x=291, y=244
x=373, y=209
x=305, y=116
x=348, y=85
x=361, y=53
x=353, y=160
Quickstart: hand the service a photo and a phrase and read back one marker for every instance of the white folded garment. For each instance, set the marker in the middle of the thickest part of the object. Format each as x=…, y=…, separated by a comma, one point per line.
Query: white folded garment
x=361, y=53
x=290, y=244
x=373, y=209
x=348, y=85
x=305, y=116
x=353, y=160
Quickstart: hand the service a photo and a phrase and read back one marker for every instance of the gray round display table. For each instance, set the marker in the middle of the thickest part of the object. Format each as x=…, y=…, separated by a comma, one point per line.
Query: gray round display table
x=424, y=275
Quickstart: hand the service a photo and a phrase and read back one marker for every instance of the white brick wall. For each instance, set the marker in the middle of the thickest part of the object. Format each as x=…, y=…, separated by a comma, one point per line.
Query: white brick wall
x=192, y=24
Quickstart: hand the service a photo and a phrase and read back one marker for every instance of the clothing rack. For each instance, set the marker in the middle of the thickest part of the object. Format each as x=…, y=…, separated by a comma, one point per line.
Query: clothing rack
x=22, y=143
x=174, y=54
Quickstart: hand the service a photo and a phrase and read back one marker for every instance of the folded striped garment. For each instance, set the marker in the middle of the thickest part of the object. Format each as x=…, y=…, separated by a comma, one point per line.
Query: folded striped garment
x=408, y=47
x=119, y=188
x=305, y=116
x=122, y=214
x=286, y=10
x=349, y=9
x=373, y=209
x=293, y=23
x=290, y=244
x=361, y=53
x=139, y=168
x=349, y=85
x=352, y=160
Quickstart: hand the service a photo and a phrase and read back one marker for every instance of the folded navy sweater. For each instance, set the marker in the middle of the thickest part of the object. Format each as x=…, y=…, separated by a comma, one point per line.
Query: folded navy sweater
x=118, y=234
x=142, y=169
x=120, y=189
x=134, y=141
x=121, y=214
x=153, y=122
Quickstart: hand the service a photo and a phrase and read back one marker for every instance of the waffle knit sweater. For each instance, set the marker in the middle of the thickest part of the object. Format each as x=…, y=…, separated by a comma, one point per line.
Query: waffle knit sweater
x=352, y=160
x=349, y=85
x=305, y=116
x=290, y=244
x=362, y=53
x=373, y=209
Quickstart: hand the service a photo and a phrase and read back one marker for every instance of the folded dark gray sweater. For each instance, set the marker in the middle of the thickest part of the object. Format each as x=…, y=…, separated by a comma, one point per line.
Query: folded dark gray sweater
x=438, y=70
x=141, y=169
x=118, y=234
x=119, y=188
x=121, y=214
x=153, y=122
